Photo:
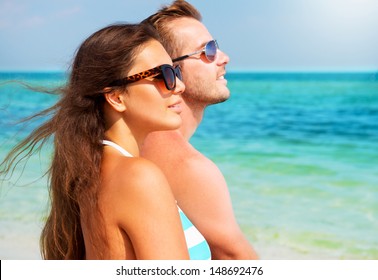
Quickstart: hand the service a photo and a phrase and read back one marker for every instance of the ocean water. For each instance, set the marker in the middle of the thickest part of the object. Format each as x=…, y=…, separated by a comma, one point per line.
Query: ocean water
x=299, y=152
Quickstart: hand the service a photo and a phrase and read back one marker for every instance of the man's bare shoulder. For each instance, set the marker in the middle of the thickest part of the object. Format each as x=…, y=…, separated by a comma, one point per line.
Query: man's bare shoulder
x=182, y=163
x=171, y=146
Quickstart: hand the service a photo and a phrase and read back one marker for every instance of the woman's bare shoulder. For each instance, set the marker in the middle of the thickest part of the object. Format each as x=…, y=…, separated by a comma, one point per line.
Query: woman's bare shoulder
x=138, y=174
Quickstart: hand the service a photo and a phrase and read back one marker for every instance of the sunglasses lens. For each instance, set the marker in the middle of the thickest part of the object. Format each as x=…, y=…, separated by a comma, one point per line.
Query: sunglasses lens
x=211, y=50
x=178, y=72
x=169, y=77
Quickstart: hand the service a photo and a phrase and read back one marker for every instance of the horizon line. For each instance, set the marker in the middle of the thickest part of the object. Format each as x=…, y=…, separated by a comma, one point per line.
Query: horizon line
x=229, y=71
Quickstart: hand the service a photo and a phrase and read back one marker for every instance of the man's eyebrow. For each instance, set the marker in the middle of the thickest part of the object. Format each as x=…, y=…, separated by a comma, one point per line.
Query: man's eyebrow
x=204, y=44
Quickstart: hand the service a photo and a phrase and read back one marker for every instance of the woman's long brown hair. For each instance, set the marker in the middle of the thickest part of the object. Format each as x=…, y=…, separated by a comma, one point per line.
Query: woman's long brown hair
x=76, y=124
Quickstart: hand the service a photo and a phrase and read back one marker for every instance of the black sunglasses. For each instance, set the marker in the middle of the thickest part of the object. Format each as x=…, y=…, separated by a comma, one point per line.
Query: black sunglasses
x=166, y=72
x=210, y=51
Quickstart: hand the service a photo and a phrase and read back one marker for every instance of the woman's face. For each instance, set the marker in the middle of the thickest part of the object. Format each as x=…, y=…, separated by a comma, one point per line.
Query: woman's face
x=150, y=106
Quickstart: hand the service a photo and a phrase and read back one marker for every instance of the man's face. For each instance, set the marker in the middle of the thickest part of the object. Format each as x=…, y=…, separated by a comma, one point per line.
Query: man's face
x=204, y=80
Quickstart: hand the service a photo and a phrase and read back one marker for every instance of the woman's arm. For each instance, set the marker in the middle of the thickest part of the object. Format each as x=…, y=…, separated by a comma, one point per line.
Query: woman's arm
x=144, y=207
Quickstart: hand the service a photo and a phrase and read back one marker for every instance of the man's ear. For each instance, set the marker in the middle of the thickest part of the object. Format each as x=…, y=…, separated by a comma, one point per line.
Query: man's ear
x=115, y=99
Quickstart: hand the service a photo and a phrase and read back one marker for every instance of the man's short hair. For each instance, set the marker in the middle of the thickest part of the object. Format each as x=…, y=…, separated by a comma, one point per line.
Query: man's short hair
x=162, y=19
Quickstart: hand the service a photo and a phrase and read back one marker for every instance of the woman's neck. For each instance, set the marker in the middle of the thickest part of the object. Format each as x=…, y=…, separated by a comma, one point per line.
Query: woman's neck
x=120, y=134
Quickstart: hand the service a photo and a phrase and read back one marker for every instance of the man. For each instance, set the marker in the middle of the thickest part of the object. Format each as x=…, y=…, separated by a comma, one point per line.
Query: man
x=197, y=183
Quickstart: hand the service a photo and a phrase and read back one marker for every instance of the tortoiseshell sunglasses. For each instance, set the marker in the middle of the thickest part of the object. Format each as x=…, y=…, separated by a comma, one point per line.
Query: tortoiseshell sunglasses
x=166, y=72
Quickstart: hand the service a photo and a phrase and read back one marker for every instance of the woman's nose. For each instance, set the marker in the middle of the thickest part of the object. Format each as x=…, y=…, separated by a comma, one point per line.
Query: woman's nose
x=180, y=87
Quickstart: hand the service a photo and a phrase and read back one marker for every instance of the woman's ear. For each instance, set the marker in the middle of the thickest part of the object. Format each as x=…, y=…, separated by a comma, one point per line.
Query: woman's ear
x=115, y=99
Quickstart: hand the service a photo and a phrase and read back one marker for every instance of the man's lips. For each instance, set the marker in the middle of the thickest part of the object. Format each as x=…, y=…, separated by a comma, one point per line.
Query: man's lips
x=222, y=78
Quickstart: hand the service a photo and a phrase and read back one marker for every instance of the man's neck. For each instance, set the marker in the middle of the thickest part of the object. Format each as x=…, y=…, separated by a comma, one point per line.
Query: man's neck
x=192, y=114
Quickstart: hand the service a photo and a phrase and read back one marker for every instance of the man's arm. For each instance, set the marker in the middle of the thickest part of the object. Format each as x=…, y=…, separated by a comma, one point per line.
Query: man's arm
x=206, y=201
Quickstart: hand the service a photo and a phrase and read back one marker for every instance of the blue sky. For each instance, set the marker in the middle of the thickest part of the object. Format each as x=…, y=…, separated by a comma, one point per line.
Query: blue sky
x=258, y=35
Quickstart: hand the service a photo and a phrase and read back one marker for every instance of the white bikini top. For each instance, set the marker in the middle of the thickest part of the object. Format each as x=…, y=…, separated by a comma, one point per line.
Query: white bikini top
x=117, y=147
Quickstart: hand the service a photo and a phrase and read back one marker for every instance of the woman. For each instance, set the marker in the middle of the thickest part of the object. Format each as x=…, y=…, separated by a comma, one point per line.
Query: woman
x=106, y=201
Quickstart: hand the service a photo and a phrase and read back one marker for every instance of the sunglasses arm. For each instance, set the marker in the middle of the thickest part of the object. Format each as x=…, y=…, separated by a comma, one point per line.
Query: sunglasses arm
x=186, y=56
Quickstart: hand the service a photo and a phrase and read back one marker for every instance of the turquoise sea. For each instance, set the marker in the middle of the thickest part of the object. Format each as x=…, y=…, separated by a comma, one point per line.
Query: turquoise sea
x=298, y=150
